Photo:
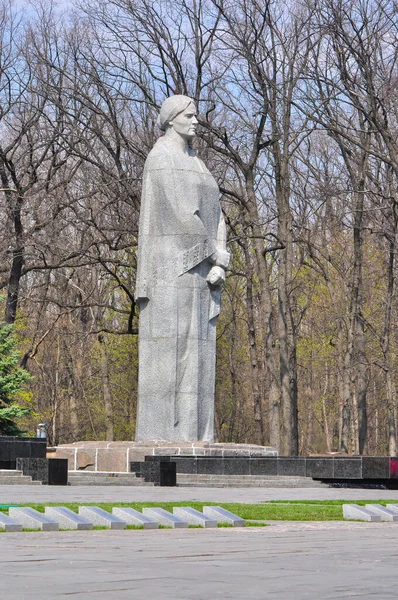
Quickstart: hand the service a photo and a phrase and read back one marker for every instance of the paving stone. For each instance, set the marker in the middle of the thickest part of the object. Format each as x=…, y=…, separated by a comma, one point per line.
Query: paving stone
x=32, y=519
x=134, y=517
x=221, y=515
x=193, y=517
x=393, y=508
x=101, y=517
x=385, y=513
x=66, y=518
x=165, y=518
x=359, y=513
x=8, y=524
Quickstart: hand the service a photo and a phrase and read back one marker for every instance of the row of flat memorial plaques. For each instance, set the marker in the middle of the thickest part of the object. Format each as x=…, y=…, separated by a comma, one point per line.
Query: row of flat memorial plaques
x=60, y=517
x=370, y=512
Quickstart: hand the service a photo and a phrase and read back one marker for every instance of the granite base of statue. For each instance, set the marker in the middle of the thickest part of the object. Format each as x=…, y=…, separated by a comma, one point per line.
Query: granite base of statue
x=118, y=456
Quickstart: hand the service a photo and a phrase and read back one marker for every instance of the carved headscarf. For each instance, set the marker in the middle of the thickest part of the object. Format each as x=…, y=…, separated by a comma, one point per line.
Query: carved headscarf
x=171, y=107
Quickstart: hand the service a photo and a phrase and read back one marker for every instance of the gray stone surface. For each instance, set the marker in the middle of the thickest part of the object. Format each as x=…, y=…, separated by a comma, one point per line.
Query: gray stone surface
x=348, y=468
x=66, y=518
x=193, y=517
x=37, y=468
x=286, y=561
x=89, y=455
x=375, y=467
x=30, y=518
x=221, y=515
x=385, y=513
x=359, y=513
x=181, y=266
x=393, y=508
x=134, y=517
x=165, y=518
x=27, y=494
x=101, y=517
x=8, y=524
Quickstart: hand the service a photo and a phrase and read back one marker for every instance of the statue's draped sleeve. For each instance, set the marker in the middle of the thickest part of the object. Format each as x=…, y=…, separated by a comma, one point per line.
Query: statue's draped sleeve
x=180, y=226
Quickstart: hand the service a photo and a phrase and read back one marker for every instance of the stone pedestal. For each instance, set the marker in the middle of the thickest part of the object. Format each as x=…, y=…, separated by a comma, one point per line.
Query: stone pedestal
x=117, y=456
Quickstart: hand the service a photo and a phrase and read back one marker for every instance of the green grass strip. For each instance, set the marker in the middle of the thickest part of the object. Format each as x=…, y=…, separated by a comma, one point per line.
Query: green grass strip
x=307, y=510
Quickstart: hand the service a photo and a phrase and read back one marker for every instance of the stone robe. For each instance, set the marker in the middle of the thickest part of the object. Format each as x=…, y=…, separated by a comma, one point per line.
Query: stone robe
x=181, y=228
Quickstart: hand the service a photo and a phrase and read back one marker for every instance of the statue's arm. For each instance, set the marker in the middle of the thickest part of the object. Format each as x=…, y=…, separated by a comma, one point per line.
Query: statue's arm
x=141, y=292
x=221, y=257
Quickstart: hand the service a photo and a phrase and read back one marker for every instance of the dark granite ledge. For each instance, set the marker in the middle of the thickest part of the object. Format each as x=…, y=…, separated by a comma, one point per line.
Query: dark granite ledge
x=322, y=467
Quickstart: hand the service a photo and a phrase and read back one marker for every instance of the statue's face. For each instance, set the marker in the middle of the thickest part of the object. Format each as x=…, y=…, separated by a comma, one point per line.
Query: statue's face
x=186, y=122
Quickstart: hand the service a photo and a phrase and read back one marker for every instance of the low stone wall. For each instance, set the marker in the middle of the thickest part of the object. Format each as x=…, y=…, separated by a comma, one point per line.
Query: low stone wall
x=324, y=468
x=12, y=448
x=50, y=471
x=117, y=456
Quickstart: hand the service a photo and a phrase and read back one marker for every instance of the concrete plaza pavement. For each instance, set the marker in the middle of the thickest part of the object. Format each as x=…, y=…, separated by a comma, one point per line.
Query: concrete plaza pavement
x=22, y=494
x=285, y=561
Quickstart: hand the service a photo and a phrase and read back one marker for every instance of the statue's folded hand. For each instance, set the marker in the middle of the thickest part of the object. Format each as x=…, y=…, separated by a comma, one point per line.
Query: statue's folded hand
x=216, y=276
x=220, y=258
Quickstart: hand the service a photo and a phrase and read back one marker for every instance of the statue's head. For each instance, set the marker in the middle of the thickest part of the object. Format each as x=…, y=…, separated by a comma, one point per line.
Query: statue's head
x=179, y=113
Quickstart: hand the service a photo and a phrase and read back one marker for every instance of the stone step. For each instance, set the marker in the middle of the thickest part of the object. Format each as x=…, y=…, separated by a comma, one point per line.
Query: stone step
x=246, y=485
x=10, y=473
x=109, y=474
x=13, y=477
x=106, y=478
x=242, y=481
x=286, y=478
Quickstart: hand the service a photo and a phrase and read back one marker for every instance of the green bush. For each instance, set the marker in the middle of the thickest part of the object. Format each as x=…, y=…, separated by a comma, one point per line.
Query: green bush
x=12, y=380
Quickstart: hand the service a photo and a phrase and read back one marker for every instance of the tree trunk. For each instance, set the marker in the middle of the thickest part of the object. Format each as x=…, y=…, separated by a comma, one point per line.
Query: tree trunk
x=286, y=329
x=255, y=363
x=266, y=313
x=14, y=209
x=106, y=389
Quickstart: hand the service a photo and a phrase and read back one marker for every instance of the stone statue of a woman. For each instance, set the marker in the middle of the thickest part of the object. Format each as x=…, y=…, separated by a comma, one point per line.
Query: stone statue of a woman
x=182, y=259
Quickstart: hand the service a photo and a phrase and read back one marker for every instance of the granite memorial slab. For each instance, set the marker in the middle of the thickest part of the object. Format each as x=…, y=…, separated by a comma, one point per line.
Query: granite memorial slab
x=101, y=517
x=221, y=515
x=30, y=518
x=165, y=518
x=393, y=508
x=67, y=519
x=385, y=513
x=194, y=517
x=134, y=517
x=9, y=524
x=354, y=512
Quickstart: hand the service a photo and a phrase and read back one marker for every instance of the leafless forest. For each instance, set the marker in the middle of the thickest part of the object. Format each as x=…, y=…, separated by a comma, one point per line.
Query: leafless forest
x=298, y=103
